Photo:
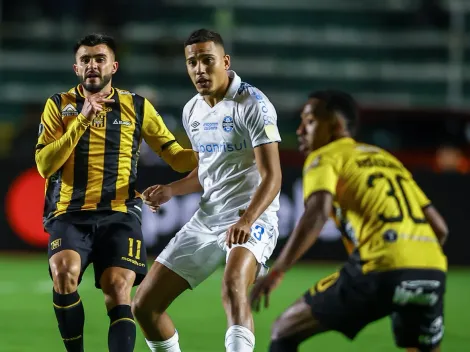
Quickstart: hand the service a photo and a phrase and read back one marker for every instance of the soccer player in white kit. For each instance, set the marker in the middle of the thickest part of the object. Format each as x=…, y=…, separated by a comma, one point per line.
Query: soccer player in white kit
x=232, y=128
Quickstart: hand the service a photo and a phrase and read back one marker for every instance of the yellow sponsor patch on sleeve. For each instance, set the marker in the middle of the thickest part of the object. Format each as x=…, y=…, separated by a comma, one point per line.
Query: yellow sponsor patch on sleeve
x=272, y=132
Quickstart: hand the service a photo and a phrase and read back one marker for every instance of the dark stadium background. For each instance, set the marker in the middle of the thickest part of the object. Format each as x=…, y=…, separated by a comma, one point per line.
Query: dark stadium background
x=407, y=62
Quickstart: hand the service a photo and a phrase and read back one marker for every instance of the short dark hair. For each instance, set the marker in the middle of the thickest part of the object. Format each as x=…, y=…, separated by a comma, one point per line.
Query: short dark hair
x=96, y=39
x=204, y=35
x=339, y=102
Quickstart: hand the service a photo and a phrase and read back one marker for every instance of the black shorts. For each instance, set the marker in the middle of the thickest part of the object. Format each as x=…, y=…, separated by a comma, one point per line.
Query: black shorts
x=104, y=238
x=349, y=300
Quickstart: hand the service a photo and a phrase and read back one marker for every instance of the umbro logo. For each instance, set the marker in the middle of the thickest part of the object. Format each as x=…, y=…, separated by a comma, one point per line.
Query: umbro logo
x=120, y=122
x=195, y=126
x=69, y=110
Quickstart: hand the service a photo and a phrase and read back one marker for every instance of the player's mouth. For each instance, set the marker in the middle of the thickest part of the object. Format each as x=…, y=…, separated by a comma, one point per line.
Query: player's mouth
x=203, y=83
x=302, y=143
x=92, y=75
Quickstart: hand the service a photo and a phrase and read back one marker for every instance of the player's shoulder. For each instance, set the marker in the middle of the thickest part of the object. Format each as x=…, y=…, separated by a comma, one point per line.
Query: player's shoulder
x=63, y=101
x=136, y=98
x=120, y=91
x=313, y=160
x=373, y=150
x=248, y=94
x=333, y=153
x=69, y=94
x=367, y=155
x=190, y=106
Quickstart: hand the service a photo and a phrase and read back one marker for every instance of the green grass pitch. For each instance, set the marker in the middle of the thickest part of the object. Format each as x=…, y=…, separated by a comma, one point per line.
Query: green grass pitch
x=28, y=322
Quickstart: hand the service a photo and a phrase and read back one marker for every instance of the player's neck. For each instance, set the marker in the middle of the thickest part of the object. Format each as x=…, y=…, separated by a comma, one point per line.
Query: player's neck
x=86, y=93
x=341, y=135
x=219, y=95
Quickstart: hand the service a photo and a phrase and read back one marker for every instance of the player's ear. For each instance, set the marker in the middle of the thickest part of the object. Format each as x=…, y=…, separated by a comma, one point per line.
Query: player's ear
x=75, y=68
x=115, y=67
x=227, y=61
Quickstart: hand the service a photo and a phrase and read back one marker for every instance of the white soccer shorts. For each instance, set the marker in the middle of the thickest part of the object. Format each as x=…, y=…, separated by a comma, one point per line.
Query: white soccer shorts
x=197, y=250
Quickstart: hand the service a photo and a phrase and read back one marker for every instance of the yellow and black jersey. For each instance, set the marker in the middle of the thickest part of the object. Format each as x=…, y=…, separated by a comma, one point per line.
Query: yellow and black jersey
x=92, y=165
x=377, y=205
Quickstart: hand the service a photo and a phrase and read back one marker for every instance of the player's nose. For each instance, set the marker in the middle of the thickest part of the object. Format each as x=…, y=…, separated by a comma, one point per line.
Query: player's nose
x=200, y=69
x=92, y=64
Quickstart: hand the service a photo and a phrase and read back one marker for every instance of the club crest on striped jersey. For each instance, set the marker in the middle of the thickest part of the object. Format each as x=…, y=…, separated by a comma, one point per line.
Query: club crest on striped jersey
x=99, y=121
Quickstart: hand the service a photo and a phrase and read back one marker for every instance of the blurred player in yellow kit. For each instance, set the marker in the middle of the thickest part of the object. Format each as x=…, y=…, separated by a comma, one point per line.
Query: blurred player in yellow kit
x=396, y=265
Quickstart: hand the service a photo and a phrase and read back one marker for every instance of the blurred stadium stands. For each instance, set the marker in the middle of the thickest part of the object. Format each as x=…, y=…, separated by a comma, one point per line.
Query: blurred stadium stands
x=383, y=51
x=406, y=53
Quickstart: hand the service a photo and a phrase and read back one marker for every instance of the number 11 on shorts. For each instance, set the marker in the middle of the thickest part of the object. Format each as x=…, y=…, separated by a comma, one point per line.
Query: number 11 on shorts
x=131, y=248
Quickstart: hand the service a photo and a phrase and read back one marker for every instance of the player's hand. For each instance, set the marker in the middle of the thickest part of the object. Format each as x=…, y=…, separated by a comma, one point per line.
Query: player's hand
x=154, y=196
x=94, y=104
x=238, y=233
x=263, y=287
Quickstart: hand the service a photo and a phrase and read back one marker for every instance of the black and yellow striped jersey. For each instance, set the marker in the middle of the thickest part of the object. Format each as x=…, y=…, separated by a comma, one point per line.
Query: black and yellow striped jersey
x=377, y=205
x=92, y=165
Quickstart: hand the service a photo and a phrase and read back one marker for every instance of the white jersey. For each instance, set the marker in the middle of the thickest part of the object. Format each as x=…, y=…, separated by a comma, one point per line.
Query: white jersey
x=225, y=136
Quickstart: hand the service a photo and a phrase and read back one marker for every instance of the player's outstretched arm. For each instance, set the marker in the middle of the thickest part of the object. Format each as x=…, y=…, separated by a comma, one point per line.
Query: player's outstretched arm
x=269, y=167
x=187, y=185
x=162, y=141
x=437, y=223
x=317, y=209
x=55, y=145
x=316, y=213
x=154, y=196
x=181, y=160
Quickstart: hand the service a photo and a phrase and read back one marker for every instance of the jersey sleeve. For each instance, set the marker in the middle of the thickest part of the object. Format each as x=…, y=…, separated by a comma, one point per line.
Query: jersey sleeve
x=260, y=119
x=154, y=130
x=185, y=119
x=50, y=128
x=162, y=141
x=320, y=174
x=55, y=144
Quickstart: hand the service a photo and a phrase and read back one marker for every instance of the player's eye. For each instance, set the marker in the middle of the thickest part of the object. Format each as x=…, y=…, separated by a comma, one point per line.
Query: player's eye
x=210, y=60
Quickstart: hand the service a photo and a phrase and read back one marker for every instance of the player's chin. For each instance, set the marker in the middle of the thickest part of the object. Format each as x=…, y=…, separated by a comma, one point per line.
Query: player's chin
x=93, y=87
x=204, y=91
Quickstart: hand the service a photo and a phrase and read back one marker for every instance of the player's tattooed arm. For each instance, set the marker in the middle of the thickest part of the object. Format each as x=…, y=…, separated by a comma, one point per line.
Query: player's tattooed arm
x=317, y=210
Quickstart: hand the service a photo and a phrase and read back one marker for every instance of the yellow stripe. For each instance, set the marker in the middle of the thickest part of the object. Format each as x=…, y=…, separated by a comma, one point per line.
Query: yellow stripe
x=123, y=319
x=95, y=166
x=125, y=152
x=70, y=306
x=73, y=338
x=68, y=169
